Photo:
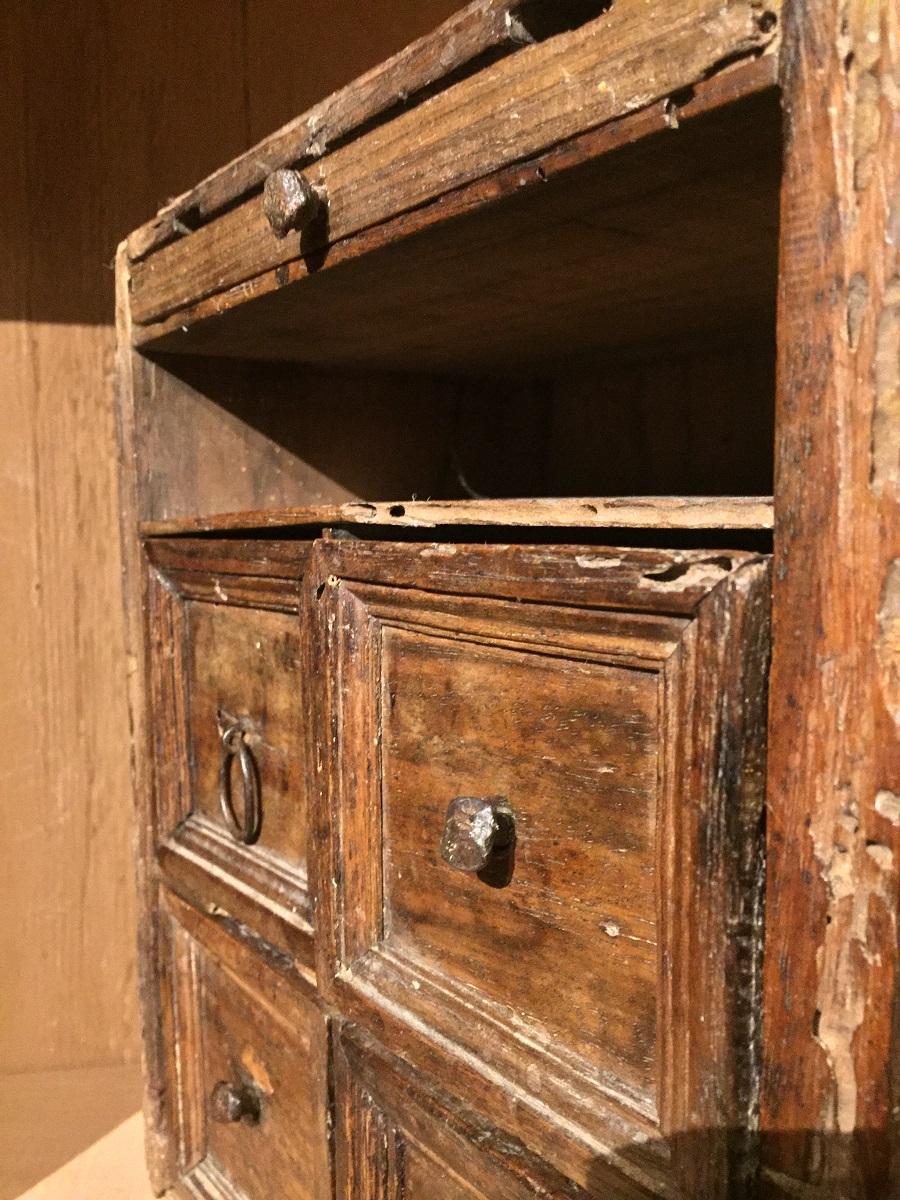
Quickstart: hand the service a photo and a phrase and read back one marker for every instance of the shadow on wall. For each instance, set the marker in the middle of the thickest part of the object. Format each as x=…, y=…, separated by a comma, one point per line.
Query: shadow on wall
x=155, y=97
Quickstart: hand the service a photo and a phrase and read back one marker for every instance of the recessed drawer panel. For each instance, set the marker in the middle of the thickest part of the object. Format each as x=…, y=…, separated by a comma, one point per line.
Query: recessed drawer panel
x=230, y=758
x=566, y=752
x=544, y=778
x=248, y=1068
x=244, y=688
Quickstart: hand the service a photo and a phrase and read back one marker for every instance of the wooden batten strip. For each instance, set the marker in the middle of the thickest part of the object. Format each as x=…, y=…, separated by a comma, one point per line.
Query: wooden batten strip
x=644, y=512
x=621, y=62
x=481, y=30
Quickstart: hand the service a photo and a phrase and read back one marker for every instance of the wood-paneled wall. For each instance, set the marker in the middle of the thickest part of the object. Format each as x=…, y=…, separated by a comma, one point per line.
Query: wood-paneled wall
x=107, y=107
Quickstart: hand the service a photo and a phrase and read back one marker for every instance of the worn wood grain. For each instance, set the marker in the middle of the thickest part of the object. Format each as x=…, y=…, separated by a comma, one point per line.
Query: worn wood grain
x=237, y=1020
x=496, y=117
x=638, y=512
x=831, y=1072
x=402, y=1135
x=481, y=30
x=243, y=669
x=224, y=649
x=580, y=870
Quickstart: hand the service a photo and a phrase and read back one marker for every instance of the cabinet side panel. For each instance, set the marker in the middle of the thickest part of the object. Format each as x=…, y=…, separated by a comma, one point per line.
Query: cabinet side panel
x=831, y=1077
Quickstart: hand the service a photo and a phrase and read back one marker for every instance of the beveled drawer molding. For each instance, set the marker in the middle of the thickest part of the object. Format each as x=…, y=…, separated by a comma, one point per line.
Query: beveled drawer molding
x=400, y=1135
x=601, y=971
x=247, y=1065
x=225, y=654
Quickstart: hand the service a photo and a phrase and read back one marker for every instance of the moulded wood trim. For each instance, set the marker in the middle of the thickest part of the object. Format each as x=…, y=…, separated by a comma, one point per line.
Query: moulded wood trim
x=659, y=582
x=383, y=1104
x=284, y=559
x=711, y=680
x=254, y=888
x=280, y=995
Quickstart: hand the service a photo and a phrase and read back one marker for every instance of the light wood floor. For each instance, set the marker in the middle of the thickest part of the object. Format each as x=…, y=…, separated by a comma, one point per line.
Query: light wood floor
x=72, y=1135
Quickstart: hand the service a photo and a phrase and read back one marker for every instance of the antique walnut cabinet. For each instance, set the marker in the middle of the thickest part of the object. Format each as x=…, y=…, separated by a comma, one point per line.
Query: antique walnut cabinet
x=510, y=466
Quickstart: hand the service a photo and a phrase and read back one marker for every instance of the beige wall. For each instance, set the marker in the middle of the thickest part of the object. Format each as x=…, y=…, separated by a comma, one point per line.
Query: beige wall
x=106, y=109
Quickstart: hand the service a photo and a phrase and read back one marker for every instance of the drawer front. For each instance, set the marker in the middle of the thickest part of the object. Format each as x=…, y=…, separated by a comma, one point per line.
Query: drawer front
x=243, y=673
x=571, y=749
x=400, y=1135
x=230, y=753
x=545, y=780
x=247, y=1068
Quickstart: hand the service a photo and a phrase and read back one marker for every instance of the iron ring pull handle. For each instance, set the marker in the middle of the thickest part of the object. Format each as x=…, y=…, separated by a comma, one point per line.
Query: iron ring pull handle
x=234, y=745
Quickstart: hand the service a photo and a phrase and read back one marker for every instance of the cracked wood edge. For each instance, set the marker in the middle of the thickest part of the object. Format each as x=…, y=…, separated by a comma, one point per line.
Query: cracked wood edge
x=476, y=31
x=621, y=62
x=639, y=512
x=831, y=1078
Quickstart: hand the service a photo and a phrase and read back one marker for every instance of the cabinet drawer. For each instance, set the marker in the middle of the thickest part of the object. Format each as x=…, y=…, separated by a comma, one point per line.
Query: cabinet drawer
x=398, y=1134
x=247, y=1069
x=545, y=767
x=230, y=757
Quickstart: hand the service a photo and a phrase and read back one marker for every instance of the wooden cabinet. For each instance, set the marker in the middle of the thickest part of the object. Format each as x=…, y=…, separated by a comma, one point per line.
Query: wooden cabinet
x=453, y=528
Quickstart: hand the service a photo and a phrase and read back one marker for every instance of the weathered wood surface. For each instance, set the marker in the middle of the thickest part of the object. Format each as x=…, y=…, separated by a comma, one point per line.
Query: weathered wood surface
x=638, y=512
x=630, y=744
x=483, y=29
x=243, y=669
x=194, y=329
x=471, y=36
x=400, y=1135
x=224, y=648
x=159, y=1133
x=512, y=110
x=829, y=1113
x=229, y=557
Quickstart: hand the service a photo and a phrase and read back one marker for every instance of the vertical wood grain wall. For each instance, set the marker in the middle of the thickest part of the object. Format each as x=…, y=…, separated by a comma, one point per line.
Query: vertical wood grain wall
x=107, y=107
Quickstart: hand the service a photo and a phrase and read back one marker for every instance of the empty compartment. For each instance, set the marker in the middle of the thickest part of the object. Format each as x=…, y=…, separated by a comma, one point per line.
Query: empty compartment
x=609, y=331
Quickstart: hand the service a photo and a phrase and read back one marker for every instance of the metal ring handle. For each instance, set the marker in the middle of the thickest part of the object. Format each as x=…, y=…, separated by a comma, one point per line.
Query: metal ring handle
x=234, y=744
